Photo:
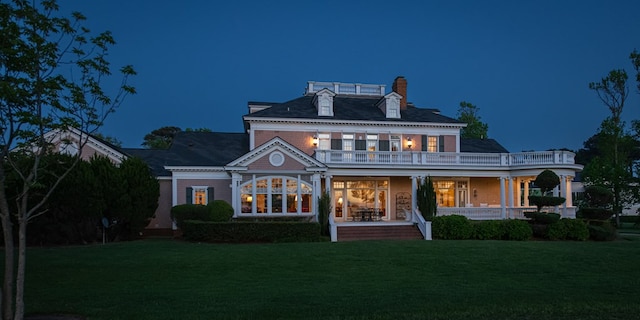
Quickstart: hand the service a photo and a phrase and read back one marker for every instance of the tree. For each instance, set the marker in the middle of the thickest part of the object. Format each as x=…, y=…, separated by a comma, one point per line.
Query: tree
x=139, y=201
x=426, y=198
x=112, y=140
x=547, y=180
x=160, y=138
x=468, y=113
x=51, y=73
x=635, y=60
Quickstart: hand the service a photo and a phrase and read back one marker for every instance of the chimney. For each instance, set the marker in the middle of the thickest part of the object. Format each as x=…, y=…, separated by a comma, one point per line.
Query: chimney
x=400, y=87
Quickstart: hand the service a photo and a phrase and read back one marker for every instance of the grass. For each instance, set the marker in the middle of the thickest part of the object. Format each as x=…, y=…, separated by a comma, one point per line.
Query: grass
x=165, y=279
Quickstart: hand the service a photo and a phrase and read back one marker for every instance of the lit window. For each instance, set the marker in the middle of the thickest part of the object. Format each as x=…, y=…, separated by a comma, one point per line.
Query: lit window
x=432, y=144
x=200, y=196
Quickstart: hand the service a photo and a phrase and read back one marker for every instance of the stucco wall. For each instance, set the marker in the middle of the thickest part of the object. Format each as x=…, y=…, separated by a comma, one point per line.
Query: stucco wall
x=221, y=191
x=264, y=164
x=302, y=140
x=397, y=185
x=487, y=191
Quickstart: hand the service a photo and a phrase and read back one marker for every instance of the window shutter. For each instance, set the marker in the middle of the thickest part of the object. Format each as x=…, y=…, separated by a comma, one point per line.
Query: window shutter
x=189, y=195
x=336, y=144
x=425, y=143
x=361, y=144
x=210, y=196
x=441, y=143
x=383, y=145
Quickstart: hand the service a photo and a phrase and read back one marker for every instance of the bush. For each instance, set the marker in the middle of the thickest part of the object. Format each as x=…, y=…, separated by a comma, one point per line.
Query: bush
x=243, y=232
x=488, y=230
x=518, y=230
x=221, y=211
x=602, y=232
x=568, y=229
x=595, y=213
x=183, y=212
x=453, y=227
x=542, y=217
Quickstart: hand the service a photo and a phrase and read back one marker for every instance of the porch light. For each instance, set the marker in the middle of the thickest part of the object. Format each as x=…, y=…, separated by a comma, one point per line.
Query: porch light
x=315, y=140
x=340, y=201
x=249, y=199
x=409, y=143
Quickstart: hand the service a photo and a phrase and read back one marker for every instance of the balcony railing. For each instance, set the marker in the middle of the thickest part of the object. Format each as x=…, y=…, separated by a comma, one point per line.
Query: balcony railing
x=444, y=158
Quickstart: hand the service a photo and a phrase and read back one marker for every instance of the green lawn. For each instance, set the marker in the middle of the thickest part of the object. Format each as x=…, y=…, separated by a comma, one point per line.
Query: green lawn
x=166, y=279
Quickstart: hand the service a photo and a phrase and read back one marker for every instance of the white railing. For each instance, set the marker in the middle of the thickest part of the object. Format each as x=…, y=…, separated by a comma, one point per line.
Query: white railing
x=423, y=225
x=347, y=88
x=333, y=229
x=445, y=158
x=495, y=213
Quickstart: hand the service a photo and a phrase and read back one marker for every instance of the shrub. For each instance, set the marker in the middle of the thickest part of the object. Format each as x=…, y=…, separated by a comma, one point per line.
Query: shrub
x=221, y=211
x=546, y=201
x=542, y=217
x=568, y=229
x=602, y=232
x=183, y=212
x=518, y=230
x=243, y=232
x=452, y=227
x=488, y=230
x=592, y=213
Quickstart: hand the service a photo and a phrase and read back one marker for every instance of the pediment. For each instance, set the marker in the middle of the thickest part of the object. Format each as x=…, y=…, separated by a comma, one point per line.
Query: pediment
x=276, y=152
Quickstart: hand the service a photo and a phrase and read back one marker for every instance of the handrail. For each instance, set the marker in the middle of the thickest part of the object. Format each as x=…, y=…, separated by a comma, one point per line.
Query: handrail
x=333, y=229
x=423, y=225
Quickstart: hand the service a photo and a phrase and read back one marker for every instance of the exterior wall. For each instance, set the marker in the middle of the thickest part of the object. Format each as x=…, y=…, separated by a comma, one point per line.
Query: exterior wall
x=162, y=218
x=487, y=191
x=264, y=164
x=450, y=144
x=221, y=191
x=302, y=140
x=396, y=186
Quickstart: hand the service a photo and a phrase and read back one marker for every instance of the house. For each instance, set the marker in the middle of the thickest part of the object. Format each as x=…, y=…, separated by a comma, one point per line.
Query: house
x=367, y=148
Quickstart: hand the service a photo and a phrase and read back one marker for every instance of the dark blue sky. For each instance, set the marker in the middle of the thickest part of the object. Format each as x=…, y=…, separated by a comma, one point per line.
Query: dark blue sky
x=525, y=64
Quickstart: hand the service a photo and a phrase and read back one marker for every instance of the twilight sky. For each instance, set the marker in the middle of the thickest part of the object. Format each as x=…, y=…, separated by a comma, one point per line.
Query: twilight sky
x=525, y=64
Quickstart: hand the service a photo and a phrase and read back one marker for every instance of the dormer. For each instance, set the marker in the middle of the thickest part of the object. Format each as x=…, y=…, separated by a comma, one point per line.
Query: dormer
x=323, y=100
x=390, y=105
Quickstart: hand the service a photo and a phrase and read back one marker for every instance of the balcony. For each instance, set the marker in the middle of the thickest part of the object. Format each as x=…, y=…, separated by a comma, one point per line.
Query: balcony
x=418, y=158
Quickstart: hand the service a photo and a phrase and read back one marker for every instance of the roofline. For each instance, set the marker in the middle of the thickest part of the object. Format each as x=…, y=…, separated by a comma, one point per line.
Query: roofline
x=349, y=122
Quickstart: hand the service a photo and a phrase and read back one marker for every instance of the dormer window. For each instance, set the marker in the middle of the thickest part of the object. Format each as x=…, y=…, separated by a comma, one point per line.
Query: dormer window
x=324, y=102
x=390, y=105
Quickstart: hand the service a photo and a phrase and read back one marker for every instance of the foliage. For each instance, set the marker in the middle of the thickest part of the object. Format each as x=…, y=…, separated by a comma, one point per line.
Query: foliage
x=160, y=138
x=488, y=230
x=110, y=139
x=592, y=213
x=198, y=212
x=517, y=230
x=598, y=197
x=221, y=211
x=324, y=210
x=453, y=227
x=568, y=229
x=468, y=113
x=51, y=70
x=602, y=231
x=546, y=201
x=542, y=217
x=547, y=180
x=243, y=232
x=426, y=198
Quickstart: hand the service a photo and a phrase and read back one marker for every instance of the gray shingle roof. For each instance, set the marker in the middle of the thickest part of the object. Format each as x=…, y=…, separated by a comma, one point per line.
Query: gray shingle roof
x=206, y=148
x=156, y=159
x=481, y=146
x=348, y=108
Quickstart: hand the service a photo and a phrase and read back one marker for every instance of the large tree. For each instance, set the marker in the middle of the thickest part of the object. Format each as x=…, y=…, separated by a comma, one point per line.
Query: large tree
x=51, y=73
x=160, y=138
x=475, y=128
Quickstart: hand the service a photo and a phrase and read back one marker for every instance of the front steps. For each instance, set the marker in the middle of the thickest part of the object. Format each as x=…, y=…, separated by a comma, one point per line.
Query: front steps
x=378, y=232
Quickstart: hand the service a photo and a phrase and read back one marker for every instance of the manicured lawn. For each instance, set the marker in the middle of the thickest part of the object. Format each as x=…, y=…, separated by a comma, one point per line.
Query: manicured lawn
x=166, y=279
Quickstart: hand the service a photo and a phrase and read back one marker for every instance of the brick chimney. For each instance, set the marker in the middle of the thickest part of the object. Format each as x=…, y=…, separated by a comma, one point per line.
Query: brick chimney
x=400, y=87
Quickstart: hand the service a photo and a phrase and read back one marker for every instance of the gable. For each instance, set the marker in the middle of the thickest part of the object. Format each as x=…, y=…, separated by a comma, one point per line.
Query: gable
x=277, y=154
x=70, y=141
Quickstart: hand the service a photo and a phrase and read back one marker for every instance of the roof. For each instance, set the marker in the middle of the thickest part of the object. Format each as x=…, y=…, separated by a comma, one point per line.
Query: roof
x=481, y=146
x=349, y=108
x=206, y=148
x=155, y=158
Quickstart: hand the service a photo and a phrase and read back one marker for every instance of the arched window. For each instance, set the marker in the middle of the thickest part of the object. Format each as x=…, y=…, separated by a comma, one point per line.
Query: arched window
x=279, y=195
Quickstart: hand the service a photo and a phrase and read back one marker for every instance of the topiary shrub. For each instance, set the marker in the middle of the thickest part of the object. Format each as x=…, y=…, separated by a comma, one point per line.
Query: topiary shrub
x=594, y=213
x=183, y=212
x=568, y=229
x=488, y=230
x=604, y=231
x=453, y=227
x=518, y=230
x=221, y=211
x=542, y=217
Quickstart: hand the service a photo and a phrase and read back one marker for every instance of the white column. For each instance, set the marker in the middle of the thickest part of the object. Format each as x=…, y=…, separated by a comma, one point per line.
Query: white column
x=254, y=206
x=526, y=193
x=511, y=187
x=235, y=193
x=503, y=202
x=518, y=191
x=569, y=192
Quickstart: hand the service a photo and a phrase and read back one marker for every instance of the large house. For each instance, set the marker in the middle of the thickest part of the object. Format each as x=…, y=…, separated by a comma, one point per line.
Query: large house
x=367, y=148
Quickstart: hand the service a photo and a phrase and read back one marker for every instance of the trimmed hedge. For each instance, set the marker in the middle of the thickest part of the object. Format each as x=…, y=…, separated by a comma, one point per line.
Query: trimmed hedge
x=595, y=213
x=542, y=217
x=602, y=231
x=242, y=232
x=221, y=210
x=568, y=229
x=453, y=227
x=183, y=212
x=517, y=230
x=488, y=230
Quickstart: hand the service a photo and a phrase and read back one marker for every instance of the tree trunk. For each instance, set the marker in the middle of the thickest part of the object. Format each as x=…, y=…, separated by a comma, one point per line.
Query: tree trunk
x=8, y=283
x=22, y=259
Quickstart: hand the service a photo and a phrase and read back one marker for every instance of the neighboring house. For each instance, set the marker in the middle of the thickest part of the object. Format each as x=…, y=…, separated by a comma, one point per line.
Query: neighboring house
x=366, y=147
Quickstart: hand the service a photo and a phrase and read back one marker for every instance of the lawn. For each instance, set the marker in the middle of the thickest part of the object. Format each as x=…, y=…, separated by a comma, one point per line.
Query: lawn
x=166, y=279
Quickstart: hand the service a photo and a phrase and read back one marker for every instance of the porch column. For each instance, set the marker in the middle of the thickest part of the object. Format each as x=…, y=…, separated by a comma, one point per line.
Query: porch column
x=511, y=186
x=518, y=190
x=503, y=202
x=569, y=191
x=236, y=178
x=315, y=193
x=563, y=190
x=414, y=194
x=526, y=193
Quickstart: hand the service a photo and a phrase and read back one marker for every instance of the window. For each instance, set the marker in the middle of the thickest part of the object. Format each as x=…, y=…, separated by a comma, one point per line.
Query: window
x=324, y=141
x=351, y=197
x=276, y=195
x=450, y=193
x=393, y=113
x=325, y=107
x=432, y=144
x=199, y=195
x=395, y=143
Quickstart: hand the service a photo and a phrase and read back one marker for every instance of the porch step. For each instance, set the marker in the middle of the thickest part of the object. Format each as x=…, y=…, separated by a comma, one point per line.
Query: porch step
x=378, y=232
